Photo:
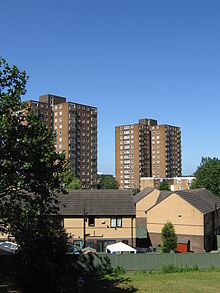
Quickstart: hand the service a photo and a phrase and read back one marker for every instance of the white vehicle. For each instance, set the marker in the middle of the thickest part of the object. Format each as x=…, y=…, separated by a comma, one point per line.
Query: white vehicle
x=8, y=246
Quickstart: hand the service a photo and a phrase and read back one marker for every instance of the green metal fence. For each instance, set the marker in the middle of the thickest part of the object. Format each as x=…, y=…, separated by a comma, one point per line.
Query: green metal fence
x=154, y=262
x=101, y=262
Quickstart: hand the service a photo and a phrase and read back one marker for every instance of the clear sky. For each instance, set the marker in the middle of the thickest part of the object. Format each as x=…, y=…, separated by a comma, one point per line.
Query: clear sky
x=131, y=58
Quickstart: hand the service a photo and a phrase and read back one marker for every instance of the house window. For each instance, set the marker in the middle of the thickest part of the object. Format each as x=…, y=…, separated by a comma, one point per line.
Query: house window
x=113, y=222
x=116, y=222
x=91, y=221
x=119, y=222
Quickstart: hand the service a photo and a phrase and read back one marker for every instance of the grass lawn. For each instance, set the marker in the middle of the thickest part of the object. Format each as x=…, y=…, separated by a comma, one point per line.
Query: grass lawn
x=199, y=281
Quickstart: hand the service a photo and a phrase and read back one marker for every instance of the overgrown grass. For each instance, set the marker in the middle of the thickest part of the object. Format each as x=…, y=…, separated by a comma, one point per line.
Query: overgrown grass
x=170, y=268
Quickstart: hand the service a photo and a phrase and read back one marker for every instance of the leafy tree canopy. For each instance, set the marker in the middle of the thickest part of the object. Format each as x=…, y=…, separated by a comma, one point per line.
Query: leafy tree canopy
x=169, y=238
x=207, y=175
x=107, y=182
x=164, y=185
x=70, y=181
x=136, y=191
x=30, y=174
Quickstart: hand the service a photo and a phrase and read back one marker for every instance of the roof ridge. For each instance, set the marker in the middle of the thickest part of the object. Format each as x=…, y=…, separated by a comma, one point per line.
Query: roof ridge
x=97, y=190
x=192, y=190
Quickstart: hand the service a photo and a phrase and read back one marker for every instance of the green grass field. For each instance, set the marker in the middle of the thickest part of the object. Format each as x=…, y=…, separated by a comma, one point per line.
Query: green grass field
x=184, y=282
x=172, y=282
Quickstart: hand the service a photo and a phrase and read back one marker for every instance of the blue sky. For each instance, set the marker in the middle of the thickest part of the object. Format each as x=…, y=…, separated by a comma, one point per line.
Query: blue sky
x=132, y=59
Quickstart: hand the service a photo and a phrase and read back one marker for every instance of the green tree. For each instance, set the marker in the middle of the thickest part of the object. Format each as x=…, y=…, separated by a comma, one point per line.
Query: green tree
x=136, y=191
x=70, y=181
x=164, y=185
x=107, y=182
x=207, y=175
x=30, y=174
x=169, y=238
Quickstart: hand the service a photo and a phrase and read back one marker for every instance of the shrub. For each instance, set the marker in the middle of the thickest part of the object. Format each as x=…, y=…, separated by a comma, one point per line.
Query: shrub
x=118, y=271
x=169, y=238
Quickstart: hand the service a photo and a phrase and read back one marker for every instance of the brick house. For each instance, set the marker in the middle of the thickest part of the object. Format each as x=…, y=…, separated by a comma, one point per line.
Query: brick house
x=194, y=213
x=109, y=215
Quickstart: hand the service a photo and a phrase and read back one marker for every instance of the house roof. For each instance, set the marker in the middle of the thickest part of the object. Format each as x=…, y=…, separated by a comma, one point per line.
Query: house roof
x=142, y=194
x=97, y=202
x=182, y=241
x=163, y=194
x=202, y=199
